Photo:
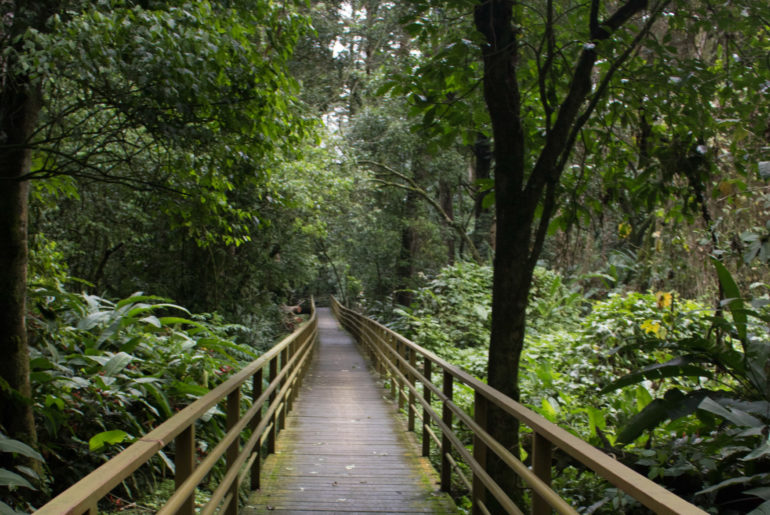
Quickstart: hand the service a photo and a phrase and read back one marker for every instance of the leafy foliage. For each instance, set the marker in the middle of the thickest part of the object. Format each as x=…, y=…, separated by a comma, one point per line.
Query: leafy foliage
x=611, y=370
x=450, y=311
x=24, y=476
x=727, y=454
x=104, y=373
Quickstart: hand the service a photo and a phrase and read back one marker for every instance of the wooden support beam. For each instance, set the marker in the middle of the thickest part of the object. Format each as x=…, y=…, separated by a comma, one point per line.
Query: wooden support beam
x=446, y=444
x=256, y=392
x=233, y=416
x=184, y=463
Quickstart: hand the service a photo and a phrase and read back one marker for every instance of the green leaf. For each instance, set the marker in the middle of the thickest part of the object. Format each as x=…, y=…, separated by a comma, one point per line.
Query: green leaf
x=727, y=482
x=8, y=478
x=549, y=410
x=736, y=416
x=143, y=308
x=488, y=200
x=384, y=88
x=596, y=420
x=7, y=510
x=15, y=446
x=762, y=509
x=676, y=367
x=763, y=492
x=160, y=399
x=167, y=461
x=92, y=320
x=732, y=298
x=189, y=388
x=138, y=297
x=152, y=320
x=762, y=450
x=179, y=320
x=672, y=406
x=117, y=363
x=106, y=437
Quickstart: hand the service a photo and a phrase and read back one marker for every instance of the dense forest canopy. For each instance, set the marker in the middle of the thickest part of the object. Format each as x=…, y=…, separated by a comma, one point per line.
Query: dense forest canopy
x=568, y=199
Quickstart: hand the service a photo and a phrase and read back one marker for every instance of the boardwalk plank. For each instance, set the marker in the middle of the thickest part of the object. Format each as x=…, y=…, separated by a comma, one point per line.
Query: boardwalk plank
x=343, y=449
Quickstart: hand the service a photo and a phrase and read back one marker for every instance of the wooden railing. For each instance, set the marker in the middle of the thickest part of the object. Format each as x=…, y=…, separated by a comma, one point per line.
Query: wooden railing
x=284, y=366
x=405, y=365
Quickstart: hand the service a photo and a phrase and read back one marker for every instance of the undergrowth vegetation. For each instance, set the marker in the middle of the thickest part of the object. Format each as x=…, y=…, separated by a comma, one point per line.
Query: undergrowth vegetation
x=676, y=389
x=106, y=372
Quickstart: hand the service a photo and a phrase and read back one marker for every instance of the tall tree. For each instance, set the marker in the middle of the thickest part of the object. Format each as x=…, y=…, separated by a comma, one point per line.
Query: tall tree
x=20, y=102
x=187, y=99
x=560, y=77
x=527, y=176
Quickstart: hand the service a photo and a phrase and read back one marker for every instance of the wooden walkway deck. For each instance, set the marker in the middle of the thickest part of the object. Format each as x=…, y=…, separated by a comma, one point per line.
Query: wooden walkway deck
x=343, y=449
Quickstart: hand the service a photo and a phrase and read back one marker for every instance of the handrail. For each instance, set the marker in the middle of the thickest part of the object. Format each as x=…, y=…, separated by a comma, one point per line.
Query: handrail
x=396, y=358
x=286, y=362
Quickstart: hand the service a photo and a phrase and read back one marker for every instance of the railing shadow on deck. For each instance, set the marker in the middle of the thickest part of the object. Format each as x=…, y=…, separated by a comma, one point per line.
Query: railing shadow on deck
x=405, y=365
x=284, y=366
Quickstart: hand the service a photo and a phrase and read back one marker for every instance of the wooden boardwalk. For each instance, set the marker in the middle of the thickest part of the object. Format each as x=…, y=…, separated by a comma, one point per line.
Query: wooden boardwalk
x=343, y=449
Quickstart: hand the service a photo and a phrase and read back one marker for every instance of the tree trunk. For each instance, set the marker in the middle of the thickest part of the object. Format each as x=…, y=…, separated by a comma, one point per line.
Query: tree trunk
x=510, y=286
x=19, y=106
x=445, y=200
x=482, y=226
x=519, y=195
x=405, y=264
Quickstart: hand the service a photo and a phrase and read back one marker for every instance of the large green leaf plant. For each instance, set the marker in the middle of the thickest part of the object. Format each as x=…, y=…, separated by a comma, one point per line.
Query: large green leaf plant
x=711, y=422
x=104, y=373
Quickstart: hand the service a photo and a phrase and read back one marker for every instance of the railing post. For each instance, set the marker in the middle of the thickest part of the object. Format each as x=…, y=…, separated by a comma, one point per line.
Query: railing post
x=400, y=353
x=393, y=388
x=272, y=374
x=295, y=382
x=379, y=348
x=374, y=347
x=184, y=463
x=410, y=377
x=479, y=451
x=541, y=466
x=282, y=416
x=256, y=392
x=446, y=445
x=426, y=371
x=233, y=415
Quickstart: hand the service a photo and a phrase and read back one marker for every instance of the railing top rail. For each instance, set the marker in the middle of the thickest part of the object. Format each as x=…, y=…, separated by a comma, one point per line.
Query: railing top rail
x=106, y=477
x=646, y=491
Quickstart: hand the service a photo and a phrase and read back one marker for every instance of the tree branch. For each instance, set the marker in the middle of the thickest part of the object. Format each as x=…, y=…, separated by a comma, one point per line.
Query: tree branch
x=549, y=205
x=559, y=142
x=605, y=82
x=415, y=188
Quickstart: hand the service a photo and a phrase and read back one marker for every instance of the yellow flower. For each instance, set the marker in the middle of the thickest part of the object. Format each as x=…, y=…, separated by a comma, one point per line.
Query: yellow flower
x=650, y=327
x=663, y=299
x=654, y=328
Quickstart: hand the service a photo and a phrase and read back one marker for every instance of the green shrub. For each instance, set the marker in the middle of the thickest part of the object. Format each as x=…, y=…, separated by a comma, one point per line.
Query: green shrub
x=104, y=373
x=452, y=311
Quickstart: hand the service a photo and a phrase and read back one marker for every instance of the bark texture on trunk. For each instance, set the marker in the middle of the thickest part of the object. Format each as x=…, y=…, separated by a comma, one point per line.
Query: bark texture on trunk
x=19, y=106
x=509, y=288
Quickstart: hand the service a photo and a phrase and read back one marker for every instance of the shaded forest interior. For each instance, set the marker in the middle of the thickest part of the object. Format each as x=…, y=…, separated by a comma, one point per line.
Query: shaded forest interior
x=568, y=200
